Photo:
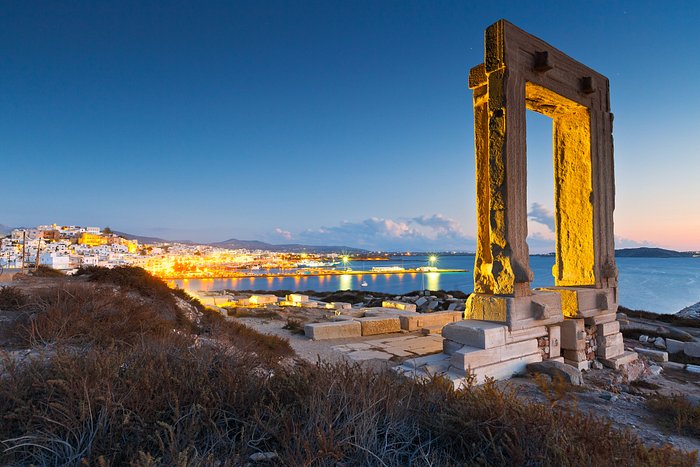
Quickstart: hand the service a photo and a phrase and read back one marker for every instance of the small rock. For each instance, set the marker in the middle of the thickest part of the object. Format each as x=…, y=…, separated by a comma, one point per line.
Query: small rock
x=643, y=338
x=596, y=365
x=263, y=456
x=674, y=346
x=609, y=396
x=655, y=370
x=692, y=349
x=421, y=301
x=692, y=368
x=660, y=343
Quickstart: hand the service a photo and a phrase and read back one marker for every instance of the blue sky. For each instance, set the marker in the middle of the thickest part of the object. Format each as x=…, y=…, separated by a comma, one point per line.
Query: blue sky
x=322, y=122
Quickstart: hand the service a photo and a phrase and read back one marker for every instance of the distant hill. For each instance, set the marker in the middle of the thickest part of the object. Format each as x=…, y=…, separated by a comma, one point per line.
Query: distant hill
x=144, y=239
x=5, y=230
x=235, y=244
x=645, y=252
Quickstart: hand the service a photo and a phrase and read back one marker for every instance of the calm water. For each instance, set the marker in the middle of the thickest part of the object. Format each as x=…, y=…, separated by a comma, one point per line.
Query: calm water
x=663, y=285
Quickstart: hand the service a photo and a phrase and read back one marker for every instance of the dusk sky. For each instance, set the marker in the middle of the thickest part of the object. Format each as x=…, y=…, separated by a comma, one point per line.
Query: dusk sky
x=323, y=122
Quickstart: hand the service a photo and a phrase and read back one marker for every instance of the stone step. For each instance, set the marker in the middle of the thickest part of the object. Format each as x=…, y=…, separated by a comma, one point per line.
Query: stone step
x=525, y=334
x=428, y=330
x=473, y=357
x=475, y=333
x=618, y=361
x=501, y=370
x=604, y=316
x=655, y=355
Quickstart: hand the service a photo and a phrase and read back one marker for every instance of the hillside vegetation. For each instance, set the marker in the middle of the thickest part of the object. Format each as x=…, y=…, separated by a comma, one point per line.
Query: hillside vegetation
x=113, y=368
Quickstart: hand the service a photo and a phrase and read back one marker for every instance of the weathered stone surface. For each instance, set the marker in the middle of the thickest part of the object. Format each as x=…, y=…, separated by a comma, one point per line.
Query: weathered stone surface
x=473, y=357
x=584, y=365
x=609, y=340
x=673, y=366
x=297, y=298
x=333, y=330
x=607, y=353
x=480, y=334
x=377, y=325
x=660, y=343
x=554, y=341
x=526, y=334
x=360, y=355
x=674, y=346
x=505, y=369
x=600, y=319
x=263, y=299
x=449, y=347
x=573, y=334
x=692, y=349
x=619, y=361
x=692, y=368
x=399, y=305
x=574, y=355
x=655, y=355
x=416, y=321
x=557, y=370
x=607, y=329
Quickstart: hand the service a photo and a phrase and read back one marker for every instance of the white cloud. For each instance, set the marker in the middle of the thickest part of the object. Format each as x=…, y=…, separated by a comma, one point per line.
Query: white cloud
x=423, y=233
x=540, y=214
x=283, y=233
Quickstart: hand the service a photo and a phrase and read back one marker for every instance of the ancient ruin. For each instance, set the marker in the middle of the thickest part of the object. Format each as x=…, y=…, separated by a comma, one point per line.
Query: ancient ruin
x=507, y=323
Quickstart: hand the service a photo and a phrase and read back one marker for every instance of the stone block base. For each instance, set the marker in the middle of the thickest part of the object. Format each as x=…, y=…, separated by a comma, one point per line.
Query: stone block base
x=333, y=330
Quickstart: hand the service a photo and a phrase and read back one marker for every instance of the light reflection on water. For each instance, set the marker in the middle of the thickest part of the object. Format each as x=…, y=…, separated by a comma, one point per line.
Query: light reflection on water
x=663, y=285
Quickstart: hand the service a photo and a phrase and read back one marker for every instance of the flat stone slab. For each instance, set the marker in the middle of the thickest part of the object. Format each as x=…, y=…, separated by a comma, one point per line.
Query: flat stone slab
x=417, y=321
x=369, y=355
x=619, y=361
x=473, y=357
x=399, y=305
x=333, y=330
x=475, y=333
x=557, y=369
x=372, y=326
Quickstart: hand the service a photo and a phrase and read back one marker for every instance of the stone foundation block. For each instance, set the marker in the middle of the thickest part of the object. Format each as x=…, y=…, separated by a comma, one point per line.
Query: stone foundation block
x=607, y=353
x=619, y=361
x=607, y=329
x=573, y=334
x=526, y=334
x=574, y=355
x=399, y=305
x=554, y=341
x=333, y=330
x=506, y=369
x=376, y=325
x=474, y=333
x=449, y=347
x=609, y=341
x=601, y=318
x=473, y=357
x=582, y=366
x=418, y=321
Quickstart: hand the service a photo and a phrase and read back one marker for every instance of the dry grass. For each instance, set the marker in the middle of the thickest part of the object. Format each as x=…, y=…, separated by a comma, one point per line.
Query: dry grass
x=173, y=404
x=12, y=299
x=676, y=413
x=296, y=326
x=125, y=382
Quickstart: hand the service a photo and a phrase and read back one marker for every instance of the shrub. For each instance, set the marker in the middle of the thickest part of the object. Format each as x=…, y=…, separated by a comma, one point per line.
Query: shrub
x=294, y=325
x=12, y=299
x=676, y=413
x=45, y=271
x=166, y=405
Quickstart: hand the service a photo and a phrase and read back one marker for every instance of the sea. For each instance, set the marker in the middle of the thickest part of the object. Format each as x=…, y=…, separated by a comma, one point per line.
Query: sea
x=661, y=285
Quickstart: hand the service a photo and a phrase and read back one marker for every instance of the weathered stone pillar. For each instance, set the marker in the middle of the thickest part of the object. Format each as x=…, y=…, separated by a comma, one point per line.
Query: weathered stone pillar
x=523, y=72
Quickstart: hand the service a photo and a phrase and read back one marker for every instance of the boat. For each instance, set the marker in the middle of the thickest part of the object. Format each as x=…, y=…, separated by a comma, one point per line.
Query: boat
x=364, y=284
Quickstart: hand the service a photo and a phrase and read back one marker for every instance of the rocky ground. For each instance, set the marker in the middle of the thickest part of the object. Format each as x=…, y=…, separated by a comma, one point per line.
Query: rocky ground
x=604, y=393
